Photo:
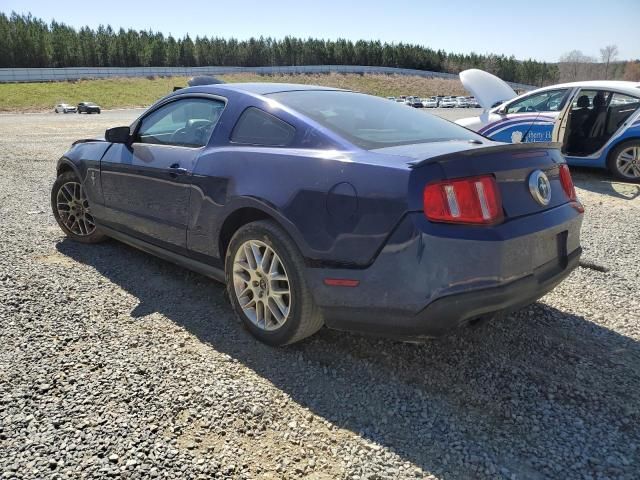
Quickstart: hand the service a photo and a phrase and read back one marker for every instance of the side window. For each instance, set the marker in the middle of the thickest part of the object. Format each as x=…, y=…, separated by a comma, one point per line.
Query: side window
x=621, y=107
x=187, y=123
x=549, y=101
x=257, y=127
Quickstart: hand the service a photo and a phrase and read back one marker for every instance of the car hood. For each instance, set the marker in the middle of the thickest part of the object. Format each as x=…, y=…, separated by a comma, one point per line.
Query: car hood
x=422, y=151
x=488, y=89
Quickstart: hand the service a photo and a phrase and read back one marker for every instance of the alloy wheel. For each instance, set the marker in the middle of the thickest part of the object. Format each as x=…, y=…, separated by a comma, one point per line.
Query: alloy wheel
x=628, y=162
x=73, y=209
x=261, y=285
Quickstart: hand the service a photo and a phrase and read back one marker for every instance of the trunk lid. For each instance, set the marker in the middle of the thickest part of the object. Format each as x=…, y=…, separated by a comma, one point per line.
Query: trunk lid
x=488, y=89
x=510, y=164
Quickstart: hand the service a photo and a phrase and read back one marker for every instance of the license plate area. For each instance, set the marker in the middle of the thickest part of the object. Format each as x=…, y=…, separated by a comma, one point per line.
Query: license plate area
x=559, y=263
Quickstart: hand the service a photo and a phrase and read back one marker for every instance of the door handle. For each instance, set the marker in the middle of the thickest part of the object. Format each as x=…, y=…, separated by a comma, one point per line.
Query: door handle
x=175, y=169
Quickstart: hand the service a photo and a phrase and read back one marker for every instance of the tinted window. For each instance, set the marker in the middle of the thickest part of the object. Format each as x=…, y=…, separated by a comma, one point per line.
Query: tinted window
x=257, y=127
x=188, y=123
x=371, y=122
x=549, y=101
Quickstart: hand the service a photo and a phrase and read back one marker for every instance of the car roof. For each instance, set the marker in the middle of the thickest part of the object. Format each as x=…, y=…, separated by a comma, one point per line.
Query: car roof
x=258, y=88
x=632, y=88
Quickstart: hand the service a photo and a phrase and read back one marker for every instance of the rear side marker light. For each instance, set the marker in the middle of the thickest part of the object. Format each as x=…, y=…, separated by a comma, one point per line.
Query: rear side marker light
x=341, y=282
x=473, y=200
x=577, y=206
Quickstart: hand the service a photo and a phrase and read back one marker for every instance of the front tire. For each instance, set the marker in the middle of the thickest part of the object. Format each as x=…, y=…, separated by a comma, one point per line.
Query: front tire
x=265, y=281
x=72, y=211
x=624, y=161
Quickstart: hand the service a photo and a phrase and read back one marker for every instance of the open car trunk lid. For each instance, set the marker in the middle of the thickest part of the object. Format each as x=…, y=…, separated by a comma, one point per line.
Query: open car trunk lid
x=510, y=164
x=488, y=89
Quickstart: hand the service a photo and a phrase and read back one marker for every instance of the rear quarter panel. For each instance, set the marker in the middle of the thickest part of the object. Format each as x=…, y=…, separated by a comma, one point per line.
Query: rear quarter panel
x=337, y=208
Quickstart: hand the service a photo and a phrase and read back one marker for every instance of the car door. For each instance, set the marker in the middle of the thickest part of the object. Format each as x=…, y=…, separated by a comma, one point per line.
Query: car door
x=530, y=118
x=146, y=183
x=594, y=119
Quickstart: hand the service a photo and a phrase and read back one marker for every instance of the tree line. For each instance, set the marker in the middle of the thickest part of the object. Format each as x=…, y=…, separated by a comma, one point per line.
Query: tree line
x=575, y=65
x=27, y=41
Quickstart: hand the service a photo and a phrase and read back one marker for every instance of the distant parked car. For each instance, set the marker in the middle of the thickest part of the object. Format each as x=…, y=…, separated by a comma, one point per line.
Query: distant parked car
x=430, y=102
x=448, y=102
x=472, y=102
x=461, y=102
x=415, y=102
x=393, y=99
x=88, y=107
x=64, y=108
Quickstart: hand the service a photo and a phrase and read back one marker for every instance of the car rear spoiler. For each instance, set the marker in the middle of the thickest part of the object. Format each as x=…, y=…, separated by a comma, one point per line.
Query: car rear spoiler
x=474, y=152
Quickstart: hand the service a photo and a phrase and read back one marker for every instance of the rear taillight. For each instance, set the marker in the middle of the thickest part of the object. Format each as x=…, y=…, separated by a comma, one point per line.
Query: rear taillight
x=473, y=200
x=567, y=182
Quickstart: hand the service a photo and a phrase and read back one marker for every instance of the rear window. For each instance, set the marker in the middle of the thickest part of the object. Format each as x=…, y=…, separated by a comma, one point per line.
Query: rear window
x=257, y=127
x=371, y=122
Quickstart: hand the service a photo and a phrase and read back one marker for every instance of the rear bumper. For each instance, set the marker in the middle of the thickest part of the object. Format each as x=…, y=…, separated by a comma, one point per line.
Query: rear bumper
x=425, y=284
x=454, y=311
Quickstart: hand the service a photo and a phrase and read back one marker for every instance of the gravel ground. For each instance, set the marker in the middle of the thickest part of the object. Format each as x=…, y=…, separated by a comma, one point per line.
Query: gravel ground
x=117, y=364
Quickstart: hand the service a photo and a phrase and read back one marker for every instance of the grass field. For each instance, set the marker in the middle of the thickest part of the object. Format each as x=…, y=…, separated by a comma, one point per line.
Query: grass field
x=139, y=92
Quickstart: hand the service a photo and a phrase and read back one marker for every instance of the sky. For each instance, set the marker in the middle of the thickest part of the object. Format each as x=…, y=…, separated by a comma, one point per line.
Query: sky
x=540, y=29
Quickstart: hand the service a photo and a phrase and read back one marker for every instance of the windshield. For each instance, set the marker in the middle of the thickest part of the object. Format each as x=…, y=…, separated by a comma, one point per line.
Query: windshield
x=371, y=122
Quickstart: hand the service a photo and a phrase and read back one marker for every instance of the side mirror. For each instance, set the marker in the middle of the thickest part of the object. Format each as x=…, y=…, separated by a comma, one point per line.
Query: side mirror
x=117, y=135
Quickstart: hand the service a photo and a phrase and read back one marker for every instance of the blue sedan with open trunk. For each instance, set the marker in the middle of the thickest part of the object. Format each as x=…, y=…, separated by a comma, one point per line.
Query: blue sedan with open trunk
x=319, y=206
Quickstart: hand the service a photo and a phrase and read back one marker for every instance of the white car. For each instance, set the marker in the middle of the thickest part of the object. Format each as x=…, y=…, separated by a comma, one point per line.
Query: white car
x=64, y=108
x=461, y=102
x=472, y=102
x=596, y=122
x=430, y=102
x=448, y=102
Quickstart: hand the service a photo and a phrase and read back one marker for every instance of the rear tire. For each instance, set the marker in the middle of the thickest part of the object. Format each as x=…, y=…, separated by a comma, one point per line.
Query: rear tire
x=261, y=264
x=624, y=161
x=72, y=211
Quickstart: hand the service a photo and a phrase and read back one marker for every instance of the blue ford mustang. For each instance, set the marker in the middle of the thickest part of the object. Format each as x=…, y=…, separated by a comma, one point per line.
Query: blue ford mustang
x=319, y=206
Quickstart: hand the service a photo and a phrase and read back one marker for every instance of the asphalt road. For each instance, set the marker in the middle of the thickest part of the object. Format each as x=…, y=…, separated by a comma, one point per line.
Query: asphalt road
x=115, y=364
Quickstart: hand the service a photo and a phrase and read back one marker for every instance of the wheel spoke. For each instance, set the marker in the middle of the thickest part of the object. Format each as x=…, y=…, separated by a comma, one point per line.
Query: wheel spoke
x=280, y=291
x=283, y=309
x=274, y=266
x=248, y=254
x=260, y=313
x=257, y=256
x=245, y=292
x=267, y=259
x=71, y=221
x=250, y=304
x=65, y=193
x=275, y=312
x=267, y=313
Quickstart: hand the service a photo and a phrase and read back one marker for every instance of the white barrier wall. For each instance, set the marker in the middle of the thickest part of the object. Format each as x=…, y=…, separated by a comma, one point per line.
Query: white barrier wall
x=8, y=75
